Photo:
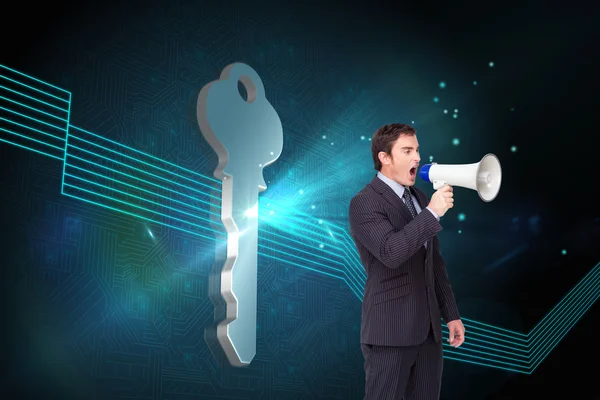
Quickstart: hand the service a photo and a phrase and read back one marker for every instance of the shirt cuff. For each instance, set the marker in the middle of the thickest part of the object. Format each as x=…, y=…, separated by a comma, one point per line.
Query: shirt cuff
x=434, y=214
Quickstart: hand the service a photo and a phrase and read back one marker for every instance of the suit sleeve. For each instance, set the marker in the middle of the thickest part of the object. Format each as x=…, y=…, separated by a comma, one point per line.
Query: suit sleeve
x=443, y=289
x=391, y=246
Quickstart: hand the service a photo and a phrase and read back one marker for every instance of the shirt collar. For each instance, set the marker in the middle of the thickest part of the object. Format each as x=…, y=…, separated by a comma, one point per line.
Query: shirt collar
x=396, y=187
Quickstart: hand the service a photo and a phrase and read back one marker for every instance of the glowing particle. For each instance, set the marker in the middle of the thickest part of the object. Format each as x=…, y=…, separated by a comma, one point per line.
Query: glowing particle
x=362, y=138
x=430, y=158
x=456, y=141
x=301, y=191
x=461, y=217
x=259, y=165
x=460, y=231
x=313, y=206
x=512, y=109
x=445, y=111
x=456, y=110
x=321, y=245
x=369, y=139
x=491, y=64
x=320, y=221
x=442, y=85
x=563, y=252
x=324, y=137
x=332, y=143
x=513, y=149
x=412, y=122
x=271, y=212
x=454, y=116
x=436, y=100
x=475, y=83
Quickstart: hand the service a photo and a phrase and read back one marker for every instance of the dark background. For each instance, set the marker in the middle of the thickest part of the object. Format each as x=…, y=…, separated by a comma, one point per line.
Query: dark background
x=546, y=55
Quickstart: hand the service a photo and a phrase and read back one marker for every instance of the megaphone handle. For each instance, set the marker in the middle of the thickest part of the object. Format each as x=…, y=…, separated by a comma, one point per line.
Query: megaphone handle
x=438, y=184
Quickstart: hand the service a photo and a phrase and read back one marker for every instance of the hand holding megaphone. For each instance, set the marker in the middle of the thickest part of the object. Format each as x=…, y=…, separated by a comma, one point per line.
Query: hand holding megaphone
x=442, y=200
x=484, y=177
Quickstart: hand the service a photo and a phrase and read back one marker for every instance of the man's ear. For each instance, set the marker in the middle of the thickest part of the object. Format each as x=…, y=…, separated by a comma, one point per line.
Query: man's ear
x=384, y=157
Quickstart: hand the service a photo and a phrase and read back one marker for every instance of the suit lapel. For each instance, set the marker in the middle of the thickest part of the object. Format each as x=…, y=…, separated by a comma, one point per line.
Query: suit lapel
x=391, y=197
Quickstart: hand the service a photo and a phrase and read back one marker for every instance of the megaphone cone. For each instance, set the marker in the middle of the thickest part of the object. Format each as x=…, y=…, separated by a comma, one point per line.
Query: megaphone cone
x=485, y=177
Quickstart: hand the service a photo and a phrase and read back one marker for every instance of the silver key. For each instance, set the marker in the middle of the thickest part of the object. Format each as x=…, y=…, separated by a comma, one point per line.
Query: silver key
x=247, y=135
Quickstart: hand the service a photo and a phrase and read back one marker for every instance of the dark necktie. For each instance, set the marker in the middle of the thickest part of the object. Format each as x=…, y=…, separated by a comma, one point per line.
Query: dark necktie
x=409, y=203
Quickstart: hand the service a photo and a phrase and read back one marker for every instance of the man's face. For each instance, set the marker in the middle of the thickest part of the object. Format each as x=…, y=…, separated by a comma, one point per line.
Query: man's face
x=403, y=165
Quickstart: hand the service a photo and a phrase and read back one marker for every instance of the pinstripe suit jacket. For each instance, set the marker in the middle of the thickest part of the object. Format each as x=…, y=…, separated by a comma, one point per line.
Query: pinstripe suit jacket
x=407, y=288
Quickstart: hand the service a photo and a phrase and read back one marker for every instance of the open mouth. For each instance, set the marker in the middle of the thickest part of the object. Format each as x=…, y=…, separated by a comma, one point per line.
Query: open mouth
x=413, y=172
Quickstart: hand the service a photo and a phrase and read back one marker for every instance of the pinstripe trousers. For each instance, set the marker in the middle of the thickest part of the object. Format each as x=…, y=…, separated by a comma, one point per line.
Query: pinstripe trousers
x=403, y=372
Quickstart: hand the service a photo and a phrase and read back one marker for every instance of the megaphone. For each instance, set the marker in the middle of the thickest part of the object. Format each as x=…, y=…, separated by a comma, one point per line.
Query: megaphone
x=485, y=176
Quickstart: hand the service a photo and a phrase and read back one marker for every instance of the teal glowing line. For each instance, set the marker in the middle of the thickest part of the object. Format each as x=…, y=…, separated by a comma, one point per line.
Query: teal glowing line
x=468, y=344
x=471, y=338
x=144, y=190
x=346, y=243
x=140, y=198
x=352, y=285
x=572, y=293
x=591, y=288
x=282, y=222
x=147, y=155
x=29, y=148
x=455, y=351
x=462, y=349
x=301, y=266
x=305, y=252
x=501, y=329
x=31, y=87
x=174, y=209
x=484, y=364
x=501, y=337
x=32, y=139
x=35, y=79
x=33, y=129
x=538, y=342
x=136, y=215
x=102, y=166
x=64, y=166
x=113, y=151
x=141, y=208
x=188, y=222
x=35, y=119
x=142, y=171
x=484, y=335
x=558, y=339
x=34, y=109
x=33, y=98
x=301, y=259
x=137, y=179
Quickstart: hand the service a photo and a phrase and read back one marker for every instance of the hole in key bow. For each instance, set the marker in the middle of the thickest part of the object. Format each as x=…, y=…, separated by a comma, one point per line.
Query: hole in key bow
x=246, y=89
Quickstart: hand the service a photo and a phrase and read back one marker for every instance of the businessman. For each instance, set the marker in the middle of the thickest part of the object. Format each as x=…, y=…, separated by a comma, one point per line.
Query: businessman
x=407, y=292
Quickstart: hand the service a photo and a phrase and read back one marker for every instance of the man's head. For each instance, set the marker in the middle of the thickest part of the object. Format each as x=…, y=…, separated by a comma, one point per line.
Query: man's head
x=395, y=151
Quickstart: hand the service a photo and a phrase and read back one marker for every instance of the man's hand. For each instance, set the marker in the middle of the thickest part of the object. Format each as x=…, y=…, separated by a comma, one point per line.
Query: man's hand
x=442, y=200
x=457, y=332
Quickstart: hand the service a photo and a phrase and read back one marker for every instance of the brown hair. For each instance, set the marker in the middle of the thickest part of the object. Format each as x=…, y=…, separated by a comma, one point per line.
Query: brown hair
x=384, y=139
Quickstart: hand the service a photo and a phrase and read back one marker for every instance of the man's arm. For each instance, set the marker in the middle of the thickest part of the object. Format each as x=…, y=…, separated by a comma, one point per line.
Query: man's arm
x=392, y=247
x=443, y=288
